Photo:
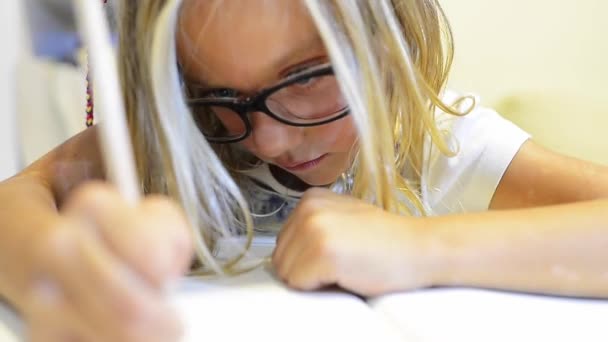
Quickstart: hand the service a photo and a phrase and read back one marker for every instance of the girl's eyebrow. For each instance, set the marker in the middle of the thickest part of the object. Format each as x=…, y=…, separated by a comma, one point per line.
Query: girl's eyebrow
x=195, y=82
x=186, y=79
x=283, y=63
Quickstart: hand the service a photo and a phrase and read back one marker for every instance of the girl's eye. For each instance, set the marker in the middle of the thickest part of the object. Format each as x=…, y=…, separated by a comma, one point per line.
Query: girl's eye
x=222, y=93
x=305, y=81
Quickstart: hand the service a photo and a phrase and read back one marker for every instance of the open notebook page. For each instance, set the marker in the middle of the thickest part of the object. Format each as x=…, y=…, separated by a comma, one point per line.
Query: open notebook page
x=257, y=306
x=483, y=315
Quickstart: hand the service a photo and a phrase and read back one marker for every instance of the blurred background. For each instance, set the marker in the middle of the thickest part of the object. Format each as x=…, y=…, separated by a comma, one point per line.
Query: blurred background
x=42, y=80
x=540, y=63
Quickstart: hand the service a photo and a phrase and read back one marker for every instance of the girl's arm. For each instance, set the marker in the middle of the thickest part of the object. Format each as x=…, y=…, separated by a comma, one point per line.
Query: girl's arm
x=539, y=177
x=551, y=236
x=560, y=249
x=556, y=247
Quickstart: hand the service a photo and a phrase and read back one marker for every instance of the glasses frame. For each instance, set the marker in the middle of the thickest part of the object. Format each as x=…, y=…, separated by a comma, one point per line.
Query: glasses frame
x=257, y=103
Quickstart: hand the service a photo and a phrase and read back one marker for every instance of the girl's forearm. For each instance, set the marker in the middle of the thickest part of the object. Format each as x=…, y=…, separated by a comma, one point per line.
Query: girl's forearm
x=28, y=207
x=558, y=250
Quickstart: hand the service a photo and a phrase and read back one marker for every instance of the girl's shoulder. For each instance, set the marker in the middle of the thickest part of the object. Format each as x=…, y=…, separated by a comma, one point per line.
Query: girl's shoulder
x=484, y=143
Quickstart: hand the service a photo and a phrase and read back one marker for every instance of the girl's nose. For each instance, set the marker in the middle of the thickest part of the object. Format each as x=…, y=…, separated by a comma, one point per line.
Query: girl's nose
x=272, y=138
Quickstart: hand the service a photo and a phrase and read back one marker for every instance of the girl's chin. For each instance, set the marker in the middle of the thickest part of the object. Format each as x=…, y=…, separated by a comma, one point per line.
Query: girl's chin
x=318, y=180
x=323, y=176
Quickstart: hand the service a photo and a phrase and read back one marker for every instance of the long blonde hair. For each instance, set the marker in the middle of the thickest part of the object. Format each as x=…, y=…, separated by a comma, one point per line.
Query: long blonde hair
x=392, y=60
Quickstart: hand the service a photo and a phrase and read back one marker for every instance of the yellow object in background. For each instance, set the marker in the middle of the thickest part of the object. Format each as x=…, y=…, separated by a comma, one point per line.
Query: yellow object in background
x=573, y=124
x=539, y=63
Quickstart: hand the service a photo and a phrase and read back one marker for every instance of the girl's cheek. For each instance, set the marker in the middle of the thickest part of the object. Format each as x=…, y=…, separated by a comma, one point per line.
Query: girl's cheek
x=339, y=136
x=336, y=137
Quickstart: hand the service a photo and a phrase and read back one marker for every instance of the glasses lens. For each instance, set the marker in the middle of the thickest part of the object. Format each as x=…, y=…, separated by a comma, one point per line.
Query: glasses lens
x=219, y=123
x=309, y=100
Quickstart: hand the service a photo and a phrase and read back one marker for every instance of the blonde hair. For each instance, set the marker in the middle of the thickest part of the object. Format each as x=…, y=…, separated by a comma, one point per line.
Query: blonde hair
x=392, y=60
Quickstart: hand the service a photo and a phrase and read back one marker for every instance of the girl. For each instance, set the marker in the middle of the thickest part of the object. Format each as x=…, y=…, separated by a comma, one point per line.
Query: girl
x=327, y=119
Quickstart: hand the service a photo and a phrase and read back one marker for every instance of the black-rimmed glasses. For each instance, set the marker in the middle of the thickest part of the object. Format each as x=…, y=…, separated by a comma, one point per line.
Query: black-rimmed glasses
x=308, y=98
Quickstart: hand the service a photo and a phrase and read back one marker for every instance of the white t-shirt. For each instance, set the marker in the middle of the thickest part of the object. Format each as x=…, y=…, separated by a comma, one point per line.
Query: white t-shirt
x=486, y=145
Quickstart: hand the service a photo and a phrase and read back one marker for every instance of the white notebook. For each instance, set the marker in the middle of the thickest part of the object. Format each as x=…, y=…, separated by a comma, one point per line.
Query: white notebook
x=257, y=306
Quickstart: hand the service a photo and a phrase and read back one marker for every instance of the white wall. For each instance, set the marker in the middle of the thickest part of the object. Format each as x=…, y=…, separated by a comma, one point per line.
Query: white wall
x=12, y=40
x=542, y=63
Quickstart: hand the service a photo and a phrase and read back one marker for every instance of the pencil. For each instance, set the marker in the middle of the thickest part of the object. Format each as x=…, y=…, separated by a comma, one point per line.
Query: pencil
x=116, y=147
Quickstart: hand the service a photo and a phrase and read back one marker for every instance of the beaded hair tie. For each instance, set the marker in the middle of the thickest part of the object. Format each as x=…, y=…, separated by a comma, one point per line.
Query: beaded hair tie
x=90, y=110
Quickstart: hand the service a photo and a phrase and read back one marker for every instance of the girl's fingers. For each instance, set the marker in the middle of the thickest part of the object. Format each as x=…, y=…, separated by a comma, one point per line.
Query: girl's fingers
x=52, y=331
x=310, y=271
x=283, y=240
x=307, y=261
x=102, y=290
x=294, y=223
x=106, y=261
x=304, y=247
x=153, y=238
x=288, y=251
x=303, y=257
x=50, y=320
x=173, y=232
x=284, y=235
x=48, y=333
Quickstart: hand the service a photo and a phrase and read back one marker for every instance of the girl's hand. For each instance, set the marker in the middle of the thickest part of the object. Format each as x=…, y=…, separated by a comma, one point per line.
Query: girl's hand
x=332, y=239
x=99, y=272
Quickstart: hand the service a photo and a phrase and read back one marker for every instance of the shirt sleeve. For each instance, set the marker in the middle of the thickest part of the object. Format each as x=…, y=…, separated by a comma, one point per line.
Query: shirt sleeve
x=485, y=143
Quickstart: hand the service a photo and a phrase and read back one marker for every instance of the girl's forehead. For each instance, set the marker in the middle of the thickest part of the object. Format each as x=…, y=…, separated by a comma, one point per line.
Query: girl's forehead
x=242, y=7
x=230, y=42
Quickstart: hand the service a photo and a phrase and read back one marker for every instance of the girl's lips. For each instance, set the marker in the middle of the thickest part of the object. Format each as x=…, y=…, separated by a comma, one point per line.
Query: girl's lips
x=304, y=166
